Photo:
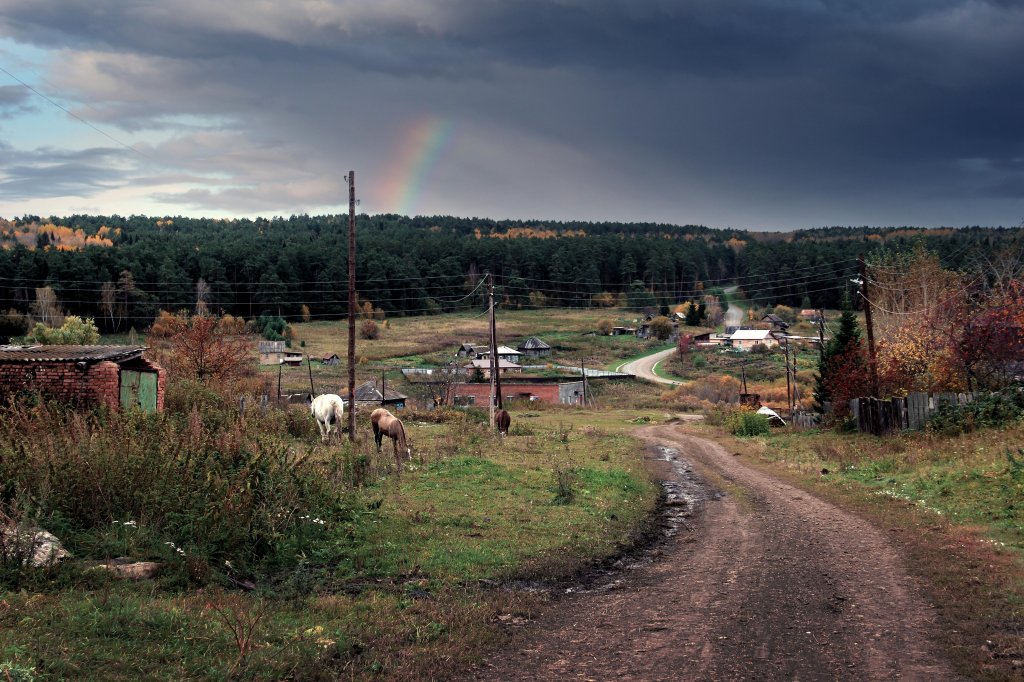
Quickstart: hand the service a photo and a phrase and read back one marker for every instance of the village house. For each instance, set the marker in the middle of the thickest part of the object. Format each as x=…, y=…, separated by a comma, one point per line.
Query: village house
x=114, y=376
x=271, y=352
x=534, y=347
x=484, y=365
x=369, y=393
x=292, y=358
x=331, y=359
x=746, y=339
x=472, y=350
x=504, y=353
x=777, y=323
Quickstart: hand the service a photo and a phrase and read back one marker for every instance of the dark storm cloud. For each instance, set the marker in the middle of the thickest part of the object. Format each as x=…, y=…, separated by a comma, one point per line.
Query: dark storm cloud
x=55, y=173
x=708, y=110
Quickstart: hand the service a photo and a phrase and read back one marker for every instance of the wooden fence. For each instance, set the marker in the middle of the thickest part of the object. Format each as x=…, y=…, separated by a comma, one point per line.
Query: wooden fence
x=801, y=421
x=901, y=414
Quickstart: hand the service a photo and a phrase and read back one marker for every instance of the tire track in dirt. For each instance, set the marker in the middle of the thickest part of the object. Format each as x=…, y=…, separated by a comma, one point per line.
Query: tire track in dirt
x=769, y=583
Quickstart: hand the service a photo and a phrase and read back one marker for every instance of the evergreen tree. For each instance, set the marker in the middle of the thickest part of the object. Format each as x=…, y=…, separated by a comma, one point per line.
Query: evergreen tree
x=846, y=336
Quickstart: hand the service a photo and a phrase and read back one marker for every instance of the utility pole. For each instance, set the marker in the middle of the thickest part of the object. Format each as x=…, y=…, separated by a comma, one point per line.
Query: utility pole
x=493, y=355
x=789, y=390
x=792, y=410
x=497, y=360
x=583, y=378
x=743, y=373
x=352, y=306
x=872, y=364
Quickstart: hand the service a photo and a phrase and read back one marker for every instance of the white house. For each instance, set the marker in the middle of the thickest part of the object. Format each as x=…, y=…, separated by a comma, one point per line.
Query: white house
x=745, y=339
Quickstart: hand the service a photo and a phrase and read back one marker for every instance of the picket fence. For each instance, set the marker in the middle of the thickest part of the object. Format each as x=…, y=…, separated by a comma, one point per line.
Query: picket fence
x=881, y=417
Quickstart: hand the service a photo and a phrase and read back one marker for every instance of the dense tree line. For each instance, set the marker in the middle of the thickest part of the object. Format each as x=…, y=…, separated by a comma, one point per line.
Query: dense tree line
x=427, y=264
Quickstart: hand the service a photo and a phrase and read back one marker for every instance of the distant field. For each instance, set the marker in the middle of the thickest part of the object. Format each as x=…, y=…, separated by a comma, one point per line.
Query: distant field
x=433, y=340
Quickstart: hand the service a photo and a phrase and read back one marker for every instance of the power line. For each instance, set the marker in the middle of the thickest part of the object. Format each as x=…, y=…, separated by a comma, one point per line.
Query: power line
x=79, y=118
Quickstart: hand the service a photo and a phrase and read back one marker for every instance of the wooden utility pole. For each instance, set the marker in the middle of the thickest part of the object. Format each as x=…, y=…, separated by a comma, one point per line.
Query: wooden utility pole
x=792, y=409
x=309, y=364
x=493, y=345
x=352, y=306
x=872, y=364
x=789, y=390
x=583, y=378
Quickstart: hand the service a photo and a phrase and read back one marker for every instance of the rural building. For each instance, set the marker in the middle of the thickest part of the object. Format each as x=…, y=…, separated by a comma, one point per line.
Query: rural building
x=369, y=393
x=115, y=376
x=504, y=353
x=292, y=358
x=272, y=352
x=777, y=323
x=534, y=347
x=331, y=359
x=623, y=331
x=568, y=393
x=810, y=315
x=745, y=339
x=484, y=365
x=472, y=350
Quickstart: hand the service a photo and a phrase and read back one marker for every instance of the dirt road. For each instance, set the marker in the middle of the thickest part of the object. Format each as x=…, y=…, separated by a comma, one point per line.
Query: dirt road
x=644, y=367
x=762, y=581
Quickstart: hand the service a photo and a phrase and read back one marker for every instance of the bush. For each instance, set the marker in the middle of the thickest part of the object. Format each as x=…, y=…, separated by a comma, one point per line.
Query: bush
x=995, y=409
x=368, y=329
x=206, y=482
x=745, y=424
x=74, y=331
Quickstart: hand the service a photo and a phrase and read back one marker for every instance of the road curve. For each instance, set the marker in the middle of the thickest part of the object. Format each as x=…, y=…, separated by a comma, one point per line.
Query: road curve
x=644, y=367
x=765, y=582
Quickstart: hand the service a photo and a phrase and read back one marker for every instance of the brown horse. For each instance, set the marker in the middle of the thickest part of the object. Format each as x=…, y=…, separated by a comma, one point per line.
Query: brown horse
x=386, y=424
x=502, y=420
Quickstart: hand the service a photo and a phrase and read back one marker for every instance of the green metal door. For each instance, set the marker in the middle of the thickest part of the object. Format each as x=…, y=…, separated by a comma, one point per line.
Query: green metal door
x=138, y=389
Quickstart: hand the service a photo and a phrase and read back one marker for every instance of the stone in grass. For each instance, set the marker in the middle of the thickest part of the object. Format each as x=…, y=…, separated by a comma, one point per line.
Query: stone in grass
x=130, y=570
x=34, y=547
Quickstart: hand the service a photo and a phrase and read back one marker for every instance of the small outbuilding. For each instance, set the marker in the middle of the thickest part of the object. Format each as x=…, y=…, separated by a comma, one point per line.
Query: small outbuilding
x=534, y=348
x=115, y=376
x=331, y=359
x=292, y=358
x=369, y=393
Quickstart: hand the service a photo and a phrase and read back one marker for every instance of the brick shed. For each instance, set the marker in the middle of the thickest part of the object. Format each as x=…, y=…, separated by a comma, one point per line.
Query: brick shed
x=554, y=393
x=114, y=376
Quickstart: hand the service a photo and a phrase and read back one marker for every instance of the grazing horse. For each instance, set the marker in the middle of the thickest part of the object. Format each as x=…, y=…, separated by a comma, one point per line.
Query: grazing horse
x=502, y=420
x=327, y=409
x=386, y=424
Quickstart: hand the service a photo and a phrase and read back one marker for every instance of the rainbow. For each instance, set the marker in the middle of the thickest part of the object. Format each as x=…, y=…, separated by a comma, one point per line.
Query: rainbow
x=422, y=146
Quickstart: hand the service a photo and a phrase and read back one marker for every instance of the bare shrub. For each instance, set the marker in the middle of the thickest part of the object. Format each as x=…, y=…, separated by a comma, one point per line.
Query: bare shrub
x=368, y=329
x=705, y=393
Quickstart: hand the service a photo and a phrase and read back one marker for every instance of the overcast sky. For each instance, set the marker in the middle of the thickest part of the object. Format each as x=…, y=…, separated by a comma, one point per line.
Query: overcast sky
x=758, y=114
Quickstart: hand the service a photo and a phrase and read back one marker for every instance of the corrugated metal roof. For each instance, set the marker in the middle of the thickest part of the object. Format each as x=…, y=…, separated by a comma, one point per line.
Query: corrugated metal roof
x=533, y=343
x=64, y=353
x=368, y=391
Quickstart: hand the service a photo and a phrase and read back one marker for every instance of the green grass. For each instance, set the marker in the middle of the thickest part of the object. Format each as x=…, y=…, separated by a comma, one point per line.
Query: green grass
x=969, y=479
x=393, y=593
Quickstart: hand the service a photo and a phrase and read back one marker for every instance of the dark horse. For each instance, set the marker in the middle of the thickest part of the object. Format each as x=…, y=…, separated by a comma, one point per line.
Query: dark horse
x=502, y=420
x=386, y=424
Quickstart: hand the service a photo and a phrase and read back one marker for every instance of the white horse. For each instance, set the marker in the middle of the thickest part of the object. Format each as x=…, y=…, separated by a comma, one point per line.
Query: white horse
x=327, y=409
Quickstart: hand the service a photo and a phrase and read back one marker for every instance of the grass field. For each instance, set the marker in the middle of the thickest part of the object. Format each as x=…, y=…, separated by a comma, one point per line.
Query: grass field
x=432, y=341
x=406, y=599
